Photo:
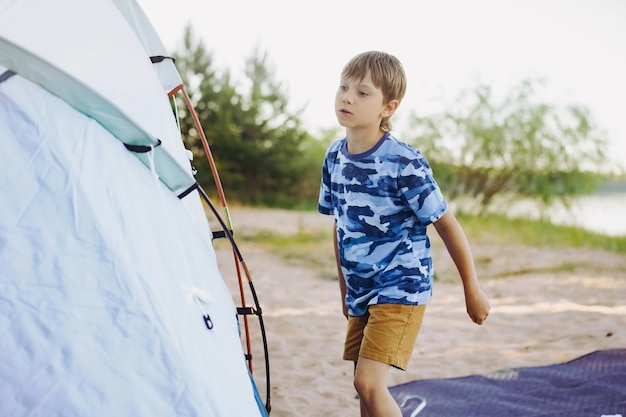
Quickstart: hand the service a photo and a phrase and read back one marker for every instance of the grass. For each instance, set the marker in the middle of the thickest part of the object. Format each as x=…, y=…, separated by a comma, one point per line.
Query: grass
x=313, y=248
x=537, y=233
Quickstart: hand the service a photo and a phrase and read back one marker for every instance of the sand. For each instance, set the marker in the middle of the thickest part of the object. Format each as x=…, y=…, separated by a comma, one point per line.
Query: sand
x=548, y=306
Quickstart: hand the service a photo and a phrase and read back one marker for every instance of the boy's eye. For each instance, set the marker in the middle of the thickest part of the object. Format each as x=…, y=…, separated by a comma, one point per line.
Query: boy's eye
x=363, y=93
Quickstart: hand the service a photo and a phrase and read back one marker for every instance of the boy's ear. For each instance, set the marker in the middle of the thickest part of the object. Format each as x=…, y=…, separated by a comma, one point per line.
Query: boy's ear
x=390, y=108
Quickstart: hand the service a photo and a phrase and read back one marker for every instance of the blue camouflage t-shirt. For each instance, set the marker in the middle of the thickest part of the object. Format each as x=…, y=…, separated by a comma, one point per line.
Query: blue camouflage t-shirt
x=382, y=201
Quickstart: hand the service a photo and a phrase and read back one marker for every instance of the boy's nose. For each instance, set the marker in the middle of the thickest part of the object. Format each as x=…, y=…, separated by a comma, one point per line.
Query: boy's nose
x=347, y=99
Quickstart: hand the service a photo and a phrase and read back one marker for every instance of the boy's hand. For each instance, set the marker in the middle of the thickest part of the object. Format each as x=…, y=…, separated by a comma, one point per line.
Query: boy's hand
x=477, y=305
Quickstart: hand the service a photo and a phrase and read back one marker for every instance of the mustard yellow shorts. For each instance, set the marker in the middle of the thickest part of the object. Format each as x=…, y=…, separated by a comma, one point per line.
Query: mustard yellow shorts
x=386, y=333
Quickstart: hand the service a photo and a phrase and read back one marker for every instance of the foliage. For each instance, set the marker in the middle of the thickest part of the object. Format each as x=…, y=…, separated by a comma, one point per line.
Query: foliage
x=500, y=152
x=214, y=98
x=257, y=144
x=494, y=152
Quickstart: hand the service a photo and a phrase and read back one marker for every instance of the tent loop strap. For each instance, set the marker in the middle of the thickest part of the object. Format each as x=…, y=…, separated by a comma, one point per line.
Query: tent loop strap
x=146, y=149
x=188, y=191
x=160, y=58
x=142, y=148
x=6, y=75
x=220, y=234
x=249, y=311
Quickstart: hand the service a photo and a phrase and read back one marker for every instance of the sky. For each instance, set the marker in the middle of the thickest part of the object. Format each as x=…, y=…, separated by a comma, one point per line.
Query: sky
x=578, y=47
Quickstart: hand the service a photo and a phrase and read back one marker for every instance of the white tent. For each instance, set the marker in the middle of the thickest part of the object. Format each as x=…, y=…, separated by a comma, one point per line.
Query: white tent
x=111, y=302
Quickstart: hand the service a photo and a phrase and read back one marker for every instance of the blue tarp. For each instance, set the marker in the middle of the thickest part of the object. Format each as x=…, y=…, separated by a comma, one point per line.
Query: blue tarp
x=590, y=386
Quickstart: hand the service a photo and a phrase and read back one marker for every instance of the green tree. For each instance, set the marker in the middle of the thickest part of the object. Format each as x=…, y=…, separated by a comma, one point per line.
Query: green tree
x=263, y=154
x=214, y=98
x=255, y=140
x=500, y=152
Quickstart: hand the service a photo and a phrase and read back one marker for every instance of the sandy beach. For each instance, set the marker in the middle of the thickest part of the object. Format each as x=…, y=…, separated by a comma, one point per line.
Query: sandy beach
x=548, y=306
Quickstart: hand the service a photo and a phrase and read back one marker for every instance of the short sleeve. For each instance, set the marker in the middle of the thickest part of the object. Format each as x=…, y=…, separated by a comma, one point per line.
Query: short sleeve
x=421, y=191
x=325, y=201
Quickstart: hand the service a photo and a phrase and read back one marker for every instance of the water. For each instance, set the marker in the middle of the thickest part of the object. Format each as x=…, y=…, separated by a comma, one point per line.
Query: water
x=602, y=212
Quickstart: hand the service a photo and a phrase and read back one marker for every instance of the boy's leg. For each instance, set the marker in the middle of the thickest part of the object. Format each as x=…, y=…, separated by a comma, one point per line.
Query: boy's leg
x=387, y=339
x=370, y=381
x=382, y=338
x=362, y=406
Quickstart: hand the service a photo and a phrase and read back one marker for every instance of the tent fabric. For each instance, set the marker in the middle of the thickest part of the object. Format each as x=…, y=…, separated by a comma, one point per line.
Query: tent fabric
x=90, y=57
x=147, y=35
x=591, y=385
x=107, y=278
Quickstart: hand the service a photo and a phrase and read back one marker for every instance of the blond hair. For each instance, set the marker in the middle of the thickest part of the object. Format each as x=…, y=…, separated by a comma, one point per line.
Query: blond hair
x=386, y=72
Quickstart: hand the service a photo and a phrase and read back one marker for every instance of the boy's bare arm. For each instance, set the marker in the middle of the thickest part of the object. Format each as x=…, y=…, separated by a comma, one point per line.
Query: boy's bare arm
x=454, y=238
x=342, y=282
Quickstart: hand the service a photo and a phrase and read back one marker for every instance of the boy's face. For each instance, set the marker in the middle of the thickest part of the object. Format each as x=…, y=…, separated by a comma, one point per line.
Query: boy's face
x=359, y=103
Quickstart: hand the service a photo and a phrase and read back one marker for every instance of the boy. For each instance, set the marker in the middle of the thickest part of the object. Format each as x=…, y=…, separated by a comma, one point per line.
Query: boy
x=383, y=196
